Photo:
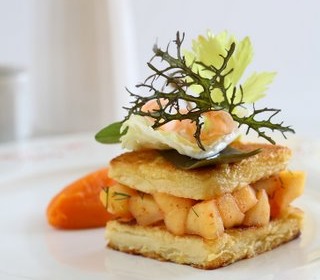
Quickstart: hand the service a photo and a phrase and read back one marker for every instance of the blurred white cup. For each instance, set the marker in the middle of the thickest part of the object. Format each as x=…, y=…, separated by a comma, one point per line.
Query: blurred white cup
x=14, y=104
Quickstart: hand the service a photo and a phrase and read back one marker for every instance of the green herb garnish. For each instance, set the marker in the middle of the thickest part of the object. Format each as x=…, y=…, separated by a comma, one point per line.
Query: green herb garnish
x=194, y=211
x=106, y=191
x=110, y=134
x=120, y=196
x=202, y=85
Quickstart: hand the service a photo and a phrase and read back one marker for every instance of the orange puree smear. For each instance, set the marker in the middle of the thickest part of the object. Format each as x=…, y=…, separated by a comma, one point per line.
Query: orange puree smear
x=78, y=206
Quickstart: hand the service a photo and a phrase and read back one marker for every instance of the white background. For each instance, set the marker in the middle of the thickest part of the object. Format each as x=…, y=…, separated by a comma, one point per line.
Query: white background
x=81, y=54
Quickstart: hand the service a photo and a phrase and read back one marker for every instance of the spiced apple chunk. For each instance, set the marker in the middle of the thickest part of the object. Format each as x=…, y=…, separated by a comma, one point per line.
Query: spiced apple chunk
x=223, y=212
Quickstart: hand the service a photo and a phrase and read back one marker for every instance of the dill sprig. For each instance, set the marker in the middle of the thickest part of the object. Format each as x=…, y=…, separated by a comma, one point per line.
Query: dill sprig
x=176, y=80
x=120, y=196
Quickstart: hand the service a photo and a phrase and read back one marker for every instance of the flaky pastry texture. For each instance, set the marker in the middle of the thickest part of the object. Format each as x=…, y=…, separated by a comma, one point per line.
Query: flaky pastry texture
x=149, y=172
x=233, y=245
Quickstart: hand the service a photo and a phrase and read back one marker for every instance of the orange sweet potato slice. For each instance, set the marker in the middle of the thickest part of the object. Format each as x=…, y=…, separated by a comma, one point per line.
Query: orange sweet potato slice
x=78, y=205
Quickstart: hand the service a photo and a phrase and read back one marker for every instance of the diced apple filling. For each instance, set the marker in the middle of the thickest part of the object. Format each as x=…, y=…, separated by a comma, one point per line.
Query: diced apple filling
x=245, y=198
x=175, y=211
x=229, y=211
x=144, y=209
x=250, y=205
x=282, y=189
x=204, y=219
x=259, y=214
x=116, y=200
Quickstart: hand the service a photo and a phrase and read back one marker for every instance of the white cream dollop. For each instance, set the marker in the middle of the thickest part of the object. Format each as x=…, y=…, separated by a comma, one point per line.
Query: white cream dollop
x=141, y=135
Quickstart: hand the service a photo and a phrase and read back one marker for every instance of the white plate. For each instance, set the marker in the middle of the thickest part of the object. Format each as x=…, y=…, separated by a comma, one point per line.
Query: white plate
x=30, y=249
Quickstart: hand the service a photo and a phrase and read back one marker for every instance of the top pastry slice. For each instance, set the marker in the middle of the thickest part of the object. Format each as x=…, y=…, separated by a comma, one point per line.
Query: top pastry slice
x=149, y=172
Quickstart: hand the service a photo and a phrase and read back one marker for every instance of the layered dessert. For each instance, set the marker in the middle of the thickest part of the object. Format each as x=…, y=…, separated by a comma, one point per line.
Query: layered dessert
x=189, y=190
